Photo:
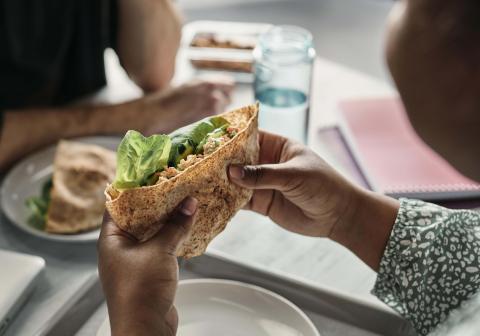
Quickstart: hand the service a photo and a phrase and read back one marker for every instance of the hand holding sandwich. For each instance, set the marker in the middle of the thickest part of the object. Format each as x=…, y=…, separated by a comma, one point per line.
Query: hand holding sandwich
x=299, y=191
x=140, y=279
x=292, y=185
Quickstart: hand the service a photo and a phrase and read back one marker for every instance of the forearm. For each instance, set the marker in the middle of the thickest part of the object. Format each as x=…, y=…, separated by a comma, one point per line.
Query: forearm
x=27, y=130
x=148, y=39
x=425, y=255
x=366, y=226
x=139, y=301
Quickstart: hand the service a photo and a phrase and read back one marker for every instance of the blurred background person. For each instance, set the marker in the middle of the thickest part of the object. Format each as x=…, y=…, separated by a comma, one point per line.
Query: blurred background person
x=53, y=54
x=433, y=54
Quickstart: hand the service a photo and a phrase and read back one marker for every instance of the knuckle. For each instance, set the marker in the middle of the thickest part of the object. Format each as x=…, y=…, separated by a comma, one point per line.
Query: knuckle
x=216, y=99
x=170, y=248
x=183, y=225
x=211, y=99
x=254, y=173
x=208, y=86
x=212, y=104
x=291, y=183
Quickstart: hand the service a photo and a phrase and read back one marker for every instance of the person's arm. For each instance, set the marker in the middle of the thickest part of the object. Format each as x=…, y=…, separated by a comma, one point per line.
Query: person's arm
x=303, y=194
x=426, y=256
x=24, y=131
x=140, y=279
x=149, y=34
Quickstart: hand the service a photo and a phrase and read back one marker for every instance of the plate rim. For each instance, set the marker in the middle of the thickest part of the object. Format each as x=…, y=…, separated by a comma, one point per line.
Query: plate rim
x=214, y=281
x=237, y=283
x=82, y=237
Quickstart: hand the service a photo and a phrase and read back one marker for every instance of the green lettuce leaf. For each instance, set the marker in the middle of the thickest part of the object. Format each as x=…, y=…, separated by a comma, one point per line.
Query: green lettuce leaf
x=38, y=206
x=139, y=157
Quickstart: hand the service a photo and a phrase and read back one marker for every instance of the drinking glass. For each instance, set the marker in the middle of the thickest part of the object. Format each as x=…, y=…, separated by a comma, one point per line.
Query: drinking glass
x=283, y=64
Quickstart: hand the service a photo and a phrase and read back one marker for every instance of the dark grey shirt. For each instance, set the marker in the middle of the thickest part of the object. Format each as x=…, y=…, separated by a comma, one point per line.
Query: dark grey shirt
x=51, y=51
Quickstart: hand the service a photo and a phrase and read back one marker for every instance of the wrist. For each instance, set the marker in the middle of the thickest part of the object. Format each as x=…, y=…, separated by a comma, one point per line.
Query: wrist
x=137, y=315
x=138, y=322
x=132, y=115
x=101, y=119
x=353, y=201
x=367, y=225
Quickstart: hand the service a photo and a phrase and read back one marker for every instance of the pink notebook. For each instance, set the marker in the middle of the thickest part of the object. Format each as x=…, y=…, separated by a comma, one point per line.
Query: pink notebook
x=393, y=158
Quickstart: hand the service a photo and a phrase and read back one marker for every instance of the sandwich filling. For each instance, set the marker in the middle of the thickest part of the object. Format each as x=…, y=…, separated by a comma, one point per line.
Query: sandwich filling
x=145, y=161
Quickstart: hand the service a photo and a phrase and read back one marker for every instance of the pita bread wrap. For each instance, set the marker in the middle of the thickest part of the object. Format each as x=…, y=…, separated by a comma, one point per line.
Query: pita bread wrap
x=140, y=210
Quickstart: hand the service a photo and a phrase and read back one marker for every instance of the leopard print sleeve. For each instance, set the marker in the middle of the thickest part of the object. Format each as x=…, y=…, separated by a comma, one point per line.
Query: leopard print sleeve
x=431, y=264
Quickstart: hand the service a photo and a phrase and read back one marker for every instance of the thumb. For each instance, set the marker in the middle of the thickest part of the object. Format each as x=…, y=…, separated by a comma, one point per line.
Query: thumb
x=268, y=176
x=178, y=225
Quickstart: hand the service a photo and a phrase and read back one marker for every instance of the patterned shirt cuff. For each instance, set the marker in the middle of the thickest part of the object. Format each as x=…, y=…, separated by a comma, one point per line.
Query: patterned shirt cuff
x=428, y=249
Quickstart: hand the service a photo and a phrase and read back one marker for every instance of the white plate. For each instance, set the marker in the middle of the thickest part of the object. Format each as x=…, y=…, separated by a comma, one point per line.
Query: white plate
x=27, y=178
x=213, y=307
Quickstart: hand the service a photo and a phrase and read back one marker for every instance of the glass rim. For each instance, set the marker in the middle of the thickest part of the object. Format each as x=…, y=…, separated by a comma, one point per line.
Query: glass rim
x=300, y=31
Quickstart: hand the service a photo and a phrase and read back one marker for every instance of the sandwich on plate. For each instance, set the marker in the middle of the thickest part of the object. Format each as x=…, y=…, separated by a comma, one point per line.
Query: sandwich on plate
x=154, y=174
x=73, y=200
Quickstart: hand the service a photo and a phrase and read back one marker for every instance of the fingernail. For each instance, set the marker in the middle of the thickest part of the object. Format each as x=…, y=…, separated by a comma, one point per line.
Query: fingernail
x=189, y=206
x=236, y=172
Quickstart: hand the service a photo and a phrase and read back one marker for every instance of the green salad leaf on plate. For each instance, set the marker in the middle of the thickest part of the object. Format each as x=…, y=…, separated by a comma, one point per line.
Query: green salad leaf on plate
x=38, y=206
